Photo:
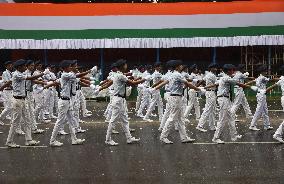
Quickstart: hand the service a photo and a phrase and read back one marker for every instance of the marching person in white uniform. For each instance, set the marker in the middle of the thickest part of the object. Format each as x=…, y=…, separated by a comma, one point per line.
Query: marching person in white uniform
x=209, y=111
x=261, y=108
x=20, y=112
x=119, y=114
x=177, y=83
x=156, y=95
x=240, y=97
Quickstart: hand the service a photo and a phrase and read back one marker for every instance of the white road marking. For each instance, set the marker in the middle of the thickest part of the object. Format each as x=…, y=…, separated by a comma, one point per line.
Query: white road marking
x=209, y=143
x=24, y=147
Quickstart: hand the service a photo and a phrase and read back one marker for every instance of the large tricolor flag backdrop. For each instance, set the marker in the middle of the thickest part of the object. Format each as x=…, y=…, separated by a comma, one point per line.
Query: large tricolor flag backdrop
x=85, y=26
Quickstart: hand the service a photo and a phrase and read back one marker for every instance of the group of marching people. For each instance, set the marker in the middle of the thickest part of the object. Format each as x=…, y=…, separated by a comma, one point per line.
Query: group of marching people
x=182, y=92
x=35, y=94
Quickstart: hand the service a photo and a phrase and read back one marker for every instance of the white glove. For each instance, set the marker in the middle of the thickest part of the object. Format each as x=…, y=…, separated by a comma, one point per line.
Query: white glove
x=93, y=87
x=40, y=90
x=92, y=78
x=48, y=83
x=254, y=88
x=195, y=80
x=262, y=91
x=148, y=77
x=202, y=90
x=151, y=90
x=46, y=71
x=282, y=77
x=93, y=82
x=94, y=69
x=131, y=71
x=96, y=92
x=246, y=74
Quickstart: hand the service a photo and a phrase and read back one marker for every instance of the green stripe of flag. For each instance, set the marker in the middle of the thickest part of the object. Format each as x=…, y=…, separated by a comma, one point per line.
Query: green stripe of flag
x=140, y=33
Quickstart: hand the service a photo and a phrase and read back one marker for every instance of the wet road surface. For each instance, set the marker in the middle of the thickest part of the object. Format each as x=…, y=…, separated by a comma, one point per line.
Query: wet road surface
x=256, y=158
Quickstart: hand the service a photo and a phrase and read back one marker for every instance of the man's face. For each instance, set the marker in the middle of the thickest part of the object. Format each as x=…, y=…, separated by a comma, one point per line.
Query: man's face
x=179, y=68
x=231, y=72
x=9, y=66
x=31, y=67
x=39, y=66
x=74, y=67
x=21, y=68
x=124, y=67
x=213, y=70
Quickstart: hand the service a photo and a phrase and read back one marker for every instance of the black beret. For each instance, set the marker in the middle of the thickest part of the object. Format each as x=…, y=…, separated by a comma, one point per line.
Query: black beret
x=38, y=62
x=29, y=62
x=241, y=66
x=157, y=64
x=120, y=62
x=194, y=66
x=65, y=63
x=281, y=69
x=176, y=63
x=8, y=62
x=213, y=65
x=20, y=62
x=113, y=65
x=228, y=66
x=261, y=68
x=169, y=63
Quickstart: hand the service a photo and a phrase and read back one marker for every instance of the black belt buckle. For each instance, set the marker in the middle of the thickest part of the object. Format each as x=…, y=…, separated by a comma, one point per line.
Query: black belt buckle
x=223, y=96
x=19, y=97
x=175, y=95
x=64, y=98
x=120, y=96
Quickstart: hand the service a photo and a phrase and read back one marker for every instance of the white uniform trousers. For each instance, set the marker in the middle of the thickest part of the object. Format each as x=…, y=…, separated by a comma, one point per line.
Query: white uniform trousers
x=176, y=115
x=83, y=103
x=145, y=102
x=20, y=112
x=155, y=101
x=225, y=116
x=118, y=114
x=30, y=106
x=39, y=105
x=261, y=111
x=139, y=98
x=53, y=106
x=282, y=102
x=241, y=100
x=209, y=111
x=107, y=113
x=192, y=102
x=65, y=114
x=48, y=94
x=8, y=97
x=166, y=112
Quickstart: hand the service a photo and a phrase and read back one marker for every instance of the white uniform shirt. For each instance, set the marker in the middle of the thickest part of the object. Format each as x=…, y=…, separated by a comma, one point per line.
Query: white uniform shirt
x=177, y=83
x=18, y=84
x=37, y=87
x=225, y=83
x=29, y=85
x=167, y=77
x=281, y=84
x=210, y=79
x=7, y=76
x=261, y=82
x=111, y=77
x=156, y=76
x=66, y=81
x=119, y=84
